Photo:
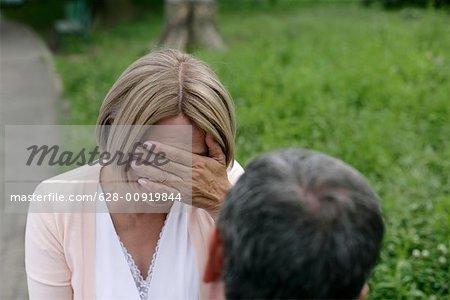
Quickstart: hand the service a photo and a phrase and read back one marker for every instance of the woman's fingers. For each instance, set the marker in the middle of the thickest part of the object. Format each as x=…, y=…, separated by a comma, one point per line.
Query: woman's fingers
x=156, y=187
x=209, y=177
x=178, y=193
x=158, y=196
x=202, y=181
x=166, y=152
x=214, y=149
x=154, y=174
x=170, y=166
x=150, y=176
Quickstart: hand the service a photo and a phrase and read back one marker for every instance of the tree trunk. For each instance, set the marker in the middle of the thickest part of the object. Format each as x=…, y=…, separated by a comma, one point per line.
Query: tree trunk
x=189, y=24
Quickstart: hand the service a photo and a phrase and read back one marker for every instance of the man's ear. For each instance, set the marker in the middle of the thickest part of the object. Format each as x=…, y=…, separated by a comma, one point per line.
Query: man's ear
x=364, y=292
x=214, y=263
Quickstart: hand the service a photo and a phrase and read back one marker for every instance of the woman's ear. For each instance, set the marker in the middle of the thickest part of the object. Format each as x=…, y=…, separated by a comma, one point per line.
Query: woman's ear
x=364, y=292
x=214, y=263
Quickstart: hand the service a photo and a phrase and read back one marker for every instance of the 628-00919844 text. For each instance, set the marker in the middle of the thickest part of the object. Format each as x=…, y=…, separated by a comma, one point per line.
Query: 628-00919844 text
x=146, y=197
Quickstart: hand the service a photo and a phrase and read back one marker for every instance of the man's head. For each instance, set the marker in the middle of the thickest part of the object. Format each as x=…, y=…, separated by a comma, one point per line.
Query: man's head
x=298, y=224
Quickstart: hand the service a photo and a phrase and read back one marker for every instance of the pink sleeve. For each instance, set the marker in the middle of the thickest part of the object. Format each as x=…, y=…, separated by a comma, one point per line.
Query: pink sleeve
x=48, y=275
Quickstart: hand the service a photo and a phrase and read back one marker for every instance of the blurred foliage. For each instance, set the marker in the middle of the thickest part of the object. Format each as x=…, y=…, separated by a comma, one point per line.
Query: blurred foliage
x=366, y=85
x=40, y=14
x=390, y=4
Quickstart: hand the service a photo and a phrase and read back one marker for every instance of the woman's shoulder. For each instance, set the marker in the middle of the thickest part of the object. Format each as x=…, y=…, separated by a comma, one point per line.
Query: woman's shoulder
x=55, y=210
x=64, y=192
x=82, y=174
x=70, y=180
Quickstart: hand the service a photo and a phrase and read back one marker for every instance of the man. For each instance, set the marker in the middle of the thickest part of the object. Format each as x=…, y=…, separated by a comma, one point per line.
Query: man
x=298, y=224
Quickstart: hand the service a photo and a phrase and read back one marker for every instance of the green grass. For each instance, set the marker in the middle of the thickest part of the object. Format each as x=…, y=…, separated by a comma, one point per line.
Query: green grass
x=365, y=85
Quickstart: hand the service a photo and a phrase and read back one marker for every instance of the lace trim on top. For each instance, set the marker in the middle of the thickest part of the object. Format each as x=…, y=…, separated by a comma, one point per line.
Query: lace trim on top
x=142, y=285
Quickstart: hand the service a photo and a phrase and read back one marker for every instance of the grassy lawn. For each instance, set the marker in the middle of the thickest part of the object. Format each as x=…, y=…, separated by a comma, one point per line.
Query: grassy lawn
x=368, y=86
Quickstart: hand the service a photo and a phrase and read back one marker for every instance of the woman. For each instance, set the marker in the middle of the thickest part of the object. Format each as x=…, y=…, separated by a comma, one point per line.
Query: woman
x=137, y=255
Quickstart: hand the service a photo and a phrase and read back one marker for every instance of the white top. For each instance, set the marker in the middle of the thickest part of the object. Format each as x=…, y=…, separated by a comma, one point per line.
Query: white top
x=174, y=270
x=174, y=273
x=143, y=285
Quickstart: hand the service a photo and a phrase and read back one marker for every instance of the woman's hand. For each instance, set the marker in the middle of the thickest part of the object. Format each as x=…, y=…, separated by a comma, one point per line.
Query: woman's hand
x=202, y=181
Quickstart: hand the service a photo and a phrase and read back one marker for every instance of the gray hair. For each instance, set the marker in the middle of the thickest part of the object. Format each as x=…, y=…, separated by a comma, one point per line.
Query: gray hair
x=299, y=224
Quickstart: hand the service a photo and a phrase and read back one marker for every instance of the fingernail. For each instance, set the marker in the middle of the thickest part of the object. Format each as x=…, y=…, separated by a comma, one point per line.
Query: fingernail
x=142, y=181
x=135, y=163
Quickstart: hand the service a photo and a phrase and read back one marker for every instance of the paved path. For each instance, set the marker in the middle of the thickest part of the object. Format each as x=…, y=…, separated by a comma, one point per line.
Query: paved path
x=29, y=94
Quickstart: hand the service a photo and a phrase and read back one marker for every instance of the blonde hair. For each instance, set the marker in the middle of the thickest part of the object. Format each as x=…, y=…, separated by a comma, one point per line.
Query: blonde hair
x=164, y=84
